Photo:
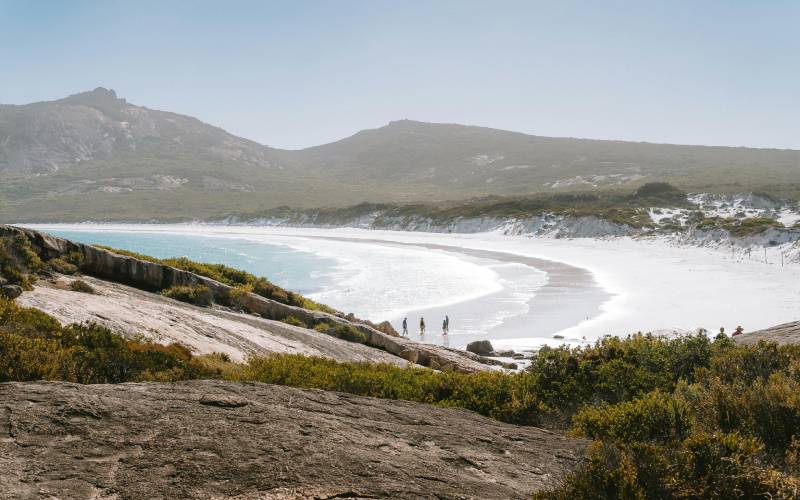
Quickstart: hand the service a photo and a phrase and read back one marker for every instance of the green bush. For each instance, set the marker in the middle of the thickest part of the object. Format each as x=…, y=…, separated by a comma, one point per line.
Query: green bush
x=62, y=266
x=234, y=297
x=66, y=264
x=344, y=332
x=34, y=346
x=493, y=394
x=292, y=320
x=18, y=261
x=81, y=286
x=655, y=416
x=199, y=295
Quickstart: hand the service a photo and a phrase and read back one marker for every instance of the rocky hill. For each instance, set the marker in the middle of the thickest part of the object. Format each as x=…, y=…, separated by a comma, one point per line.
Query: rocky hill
x=94, y=156
x=436, y=160
x=47, y=137
x=207, y=439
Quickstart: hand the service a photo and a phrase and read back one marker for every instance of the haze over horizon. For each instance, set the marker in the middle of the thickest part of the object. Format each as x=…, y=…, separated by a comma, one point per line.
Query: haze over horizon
x=289, y=76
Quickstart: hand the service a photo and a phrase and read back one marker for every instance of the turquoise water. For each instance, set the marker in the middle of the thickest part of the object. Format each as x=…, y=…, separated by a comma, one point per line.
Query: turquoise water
x=299, y=271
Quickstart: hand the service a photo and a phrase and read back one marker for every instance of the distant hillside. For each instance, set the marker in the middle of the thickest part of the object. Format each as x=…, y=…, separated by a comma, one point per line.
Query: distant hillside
x=48, y=137
x=455, y=160
x=95, y=156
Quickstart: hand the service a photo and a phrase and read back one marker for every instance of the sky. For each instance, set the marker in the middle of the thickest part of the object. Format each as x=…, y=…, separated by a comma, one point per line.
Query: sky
x=293, y=74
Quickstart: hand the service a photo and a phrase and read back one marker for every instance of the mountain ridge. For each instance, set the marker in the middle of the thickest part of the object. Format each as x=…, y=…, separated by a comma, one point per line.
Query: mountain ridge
x=95, y=156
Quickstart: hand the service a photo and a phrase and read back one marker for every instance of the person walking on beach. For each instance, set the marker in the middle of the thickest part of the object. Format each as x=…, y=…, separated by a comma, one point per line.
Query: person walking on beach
x=405, y=327
x=444, y=327
x=446, y=324
x=421, y=325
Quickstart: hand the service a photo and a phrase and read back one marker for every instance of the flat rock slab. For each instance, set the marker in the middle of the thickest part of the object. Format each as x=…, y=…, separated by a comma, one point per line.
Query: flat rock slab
x=133, y=312
x=212, y=439
x=787, y=333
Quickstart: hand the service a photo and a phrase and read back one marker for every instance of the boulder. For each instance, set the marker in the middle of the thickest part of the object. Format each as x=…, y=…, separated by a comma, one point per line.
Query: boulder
x=482, y=347
x=3, y=281
x=518, y=356
x=505, y=354
x=11, y=291
x=385, y=327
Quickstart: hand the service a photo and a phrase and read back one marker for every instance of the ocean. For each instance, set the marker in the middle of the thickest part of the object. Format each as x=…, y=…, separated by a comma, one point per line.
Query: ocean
x=293, y=269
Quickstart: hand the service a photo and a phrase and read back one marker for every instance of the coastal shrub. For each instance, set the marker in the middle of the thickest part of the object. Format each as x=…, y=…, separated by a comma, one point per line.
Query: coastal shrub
x=81, y=286
x=349, y=333
x=701, y=466
x=344, y=332
x=752, y=225
x=614, y=369
x=767, y=409
x=492, y=394
x=293, y=320
x=62, y=266
x=18, y=261
x=660, y=193
x=199, y=295
x=68, y=263
x=34, y=346
x=655, y=416
x=234, y=296
x=739, y=226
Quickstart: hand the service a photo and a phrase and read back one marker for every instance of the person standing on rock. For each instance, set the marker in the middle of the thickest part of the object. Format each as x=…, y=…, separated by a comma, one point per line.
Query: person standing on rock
x=421, y=325
x=405, y=327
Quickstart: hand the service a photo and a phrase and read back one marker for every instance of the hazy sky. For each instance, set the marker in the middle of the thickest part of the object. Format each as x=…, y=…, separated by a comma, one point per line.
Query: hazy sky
x=298, y=73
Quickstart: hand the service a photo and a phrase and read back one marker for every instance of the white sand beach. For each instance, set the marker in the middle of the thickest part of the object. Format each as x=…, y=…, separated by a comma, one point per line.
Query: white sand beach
x=519, y=292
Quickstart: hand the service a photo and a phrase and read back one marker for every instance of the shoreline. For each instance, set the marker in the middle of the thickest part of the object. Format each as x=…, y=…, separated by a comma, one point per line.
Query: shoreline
x=569, y=296
x=538, y=298
x=654, y=285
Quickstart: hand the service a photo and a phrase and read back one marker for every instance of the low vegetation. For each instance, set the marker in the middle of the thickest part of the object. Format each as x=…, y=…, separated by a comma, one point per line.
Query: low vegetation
x=18, y=261
x=34, y=346
x=738, y=227
x=81, y=286
x=689, y=417
x=629, y=208
x=199, y=295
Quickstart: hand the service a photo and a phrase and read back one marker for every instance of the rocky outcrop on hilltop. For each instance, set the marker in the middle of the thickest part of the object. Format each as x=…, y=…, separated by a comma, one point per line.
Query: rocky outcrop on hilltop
x=208, y=439
x=47, y=137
